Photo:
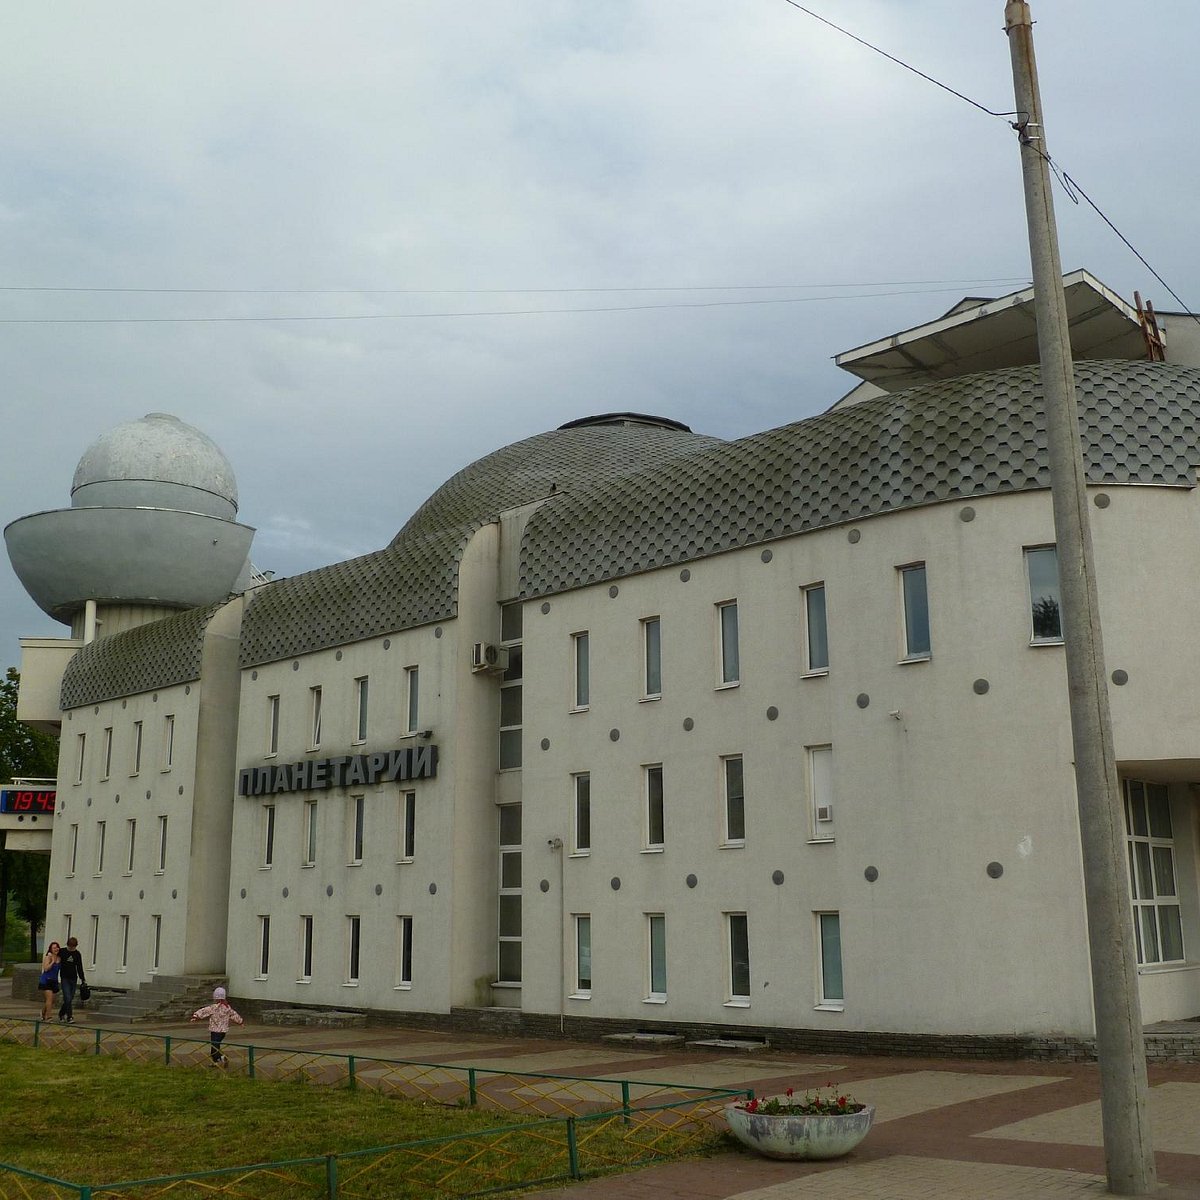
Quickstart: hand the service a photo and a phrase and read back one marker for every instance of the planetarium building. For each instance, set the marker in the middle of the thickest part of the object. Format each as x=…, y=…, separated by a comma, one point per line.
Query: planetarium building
x=634, y=728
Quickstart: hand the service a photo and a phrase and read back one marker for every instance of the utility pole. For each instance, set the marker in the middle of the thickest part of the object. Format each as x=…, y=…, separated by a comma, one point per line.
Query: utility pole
x=1128, y=1151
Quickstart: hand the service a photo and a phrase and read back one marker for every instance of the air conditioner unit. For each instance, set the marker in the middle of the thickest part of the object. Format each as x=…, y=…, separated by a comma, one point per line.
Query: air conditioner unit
x=487, y=657
x=824, y=812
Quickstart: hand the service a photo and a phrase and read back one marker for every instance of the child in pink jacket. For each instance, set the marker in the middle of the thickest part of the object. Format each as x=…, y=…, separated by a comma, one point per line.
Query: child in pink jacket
x=219, y=1013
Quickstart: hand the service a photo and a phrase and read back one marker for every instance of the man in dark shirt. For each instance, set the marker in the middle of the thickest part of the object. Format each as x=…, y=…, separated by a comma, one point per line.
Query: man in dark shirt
x=70, y=976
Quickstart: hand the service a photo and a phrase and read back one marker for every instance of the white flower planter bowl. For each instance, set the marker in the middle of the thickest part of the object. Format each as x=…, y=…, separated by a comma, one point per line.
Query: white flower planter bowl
x=797, y=1135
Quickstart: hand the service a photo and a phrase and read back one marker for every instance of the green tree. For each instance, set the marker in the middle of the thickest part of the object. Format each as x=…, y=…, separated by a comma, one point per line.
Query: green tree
x=23, y=752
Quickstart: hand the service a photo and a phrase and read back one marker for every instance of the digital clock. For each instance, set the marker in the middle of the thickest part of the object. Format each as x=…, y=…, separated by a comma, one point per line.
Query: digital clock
x=27, y=800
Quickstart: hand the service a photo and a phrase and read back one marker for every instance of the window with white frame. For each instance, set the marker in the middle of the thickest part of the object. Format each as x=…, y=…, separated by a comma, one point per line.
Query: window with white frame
x=656, y=937
x=272, y=725
x=404, y=952
x=408, y=826
x=123, y=961
x=511, y=721
x=581, y=823
x=510, y=918
x=80, y=755
x=130, y=842
x=155, y=942
x=580, y=645
x=361, y=694
x=412, y=680
x=820, y=792
x=357, y=816
x=135, y=755
x=168, y=757
x=100, y=833
x=655, y=828
x=162, y=844
x=95, y=939
x=314, y=724
x=831, y=993
x=1151, y=841
x=583, y=956
x=652, y=658
x=74, y=849
x=1045, y=599
x=67, y=926
x=727, y=634
x=737, y=940
x=306, y=949
x=268, y=834
x=735, y=801
x=264, y=945
x=309, y=855
x=106, y=754
x=353, y=947
x=914, y=603
x=816, y=631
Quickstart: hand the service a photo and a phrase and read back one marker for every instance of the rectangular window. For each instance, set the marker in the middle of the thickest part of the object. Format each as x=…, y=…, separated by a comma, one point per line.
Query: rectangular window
x=652, y=657
x=74, y=848
x=739, y=958
x=310, y=833
x=306, y=949
x=314, y=708
x=412, y=678
x=735, y=801
x=264, y=946
x=357, y=830
x=509, y=921
x=168, y=742
x=272, y=725
x=655, y=831
x=820, y=791
x=353, y=940
x=408, y=826
x=816, y=633
x=268, y=834
x=511, y=621
x=124, y=960
x=404, y=951
x=130, y=840
x=581, y=830
x=731, y=669
x=106, y=756
x=361, y=689
x=100, y=829
x=511, y=704
x=656, y=929
x=829, y=942
x=1045, y=600
x=95, y=924
x=67, y=926
x=582, y=655
x=162, y=844
x=915, y=603
x=155, y=942
x=583, y=956
x=80, y=753
x=1151, y=845
x=135, y=758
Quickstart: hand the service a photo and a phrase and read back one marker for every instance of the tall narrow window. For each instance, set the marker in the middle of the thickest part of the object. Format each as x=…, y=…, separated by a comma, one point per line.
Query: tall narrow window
x=361, y=688
x=412, y=677
x=652, y=657
x=106, y=754
x=168, y=742
x=583, y=956
x=268, y=834
x=816, y=634
x=124, y=959
x=310, y=833
x=272, y=724
x=130, y=842
x=408, y=826
x=80, y=754
x=314, y=702
x=735, y=801
x=583, y=670
x=656, y=928
x=357, y=830
x=731, y=668
x=1045, y=601
x=162, y=844
x=509, y=923
x=264, y=946
x=353, y=946
x=67, y=926
x=655, y=827
x=581, y=828
x=135, y=757
x=820, y=791
x=404, y=951
x=829, y=930
x=155, y=942
x=739, y=958
x=95, y=925
x=100, y=830
x=511, y=720
x=1151, y=842
x=74, y=849
x=915, y=602
x=306, y=949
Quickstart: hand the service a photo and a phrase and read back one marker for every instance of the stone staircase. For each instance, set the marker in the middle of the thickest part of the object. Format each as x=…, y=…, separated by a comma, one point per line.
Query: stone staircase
x=163, y=998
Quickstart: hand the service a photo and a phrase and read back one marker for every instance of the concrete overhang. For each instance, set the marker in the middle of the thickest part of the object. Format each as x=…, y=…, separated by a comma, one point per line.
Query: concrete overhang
x=993, y=334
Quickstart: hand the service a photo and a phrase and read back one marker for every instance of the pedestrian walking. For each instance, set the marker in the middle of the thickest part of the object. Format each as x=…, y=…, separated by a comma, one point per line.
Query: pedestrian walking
x=48, y=979
x=219, y=1013
x=70, y=979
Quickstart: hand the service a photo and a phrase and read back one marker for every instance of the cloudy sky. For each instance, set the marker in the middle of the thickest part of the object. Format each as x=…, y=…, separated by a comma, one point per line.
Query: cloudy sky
x=484, y=219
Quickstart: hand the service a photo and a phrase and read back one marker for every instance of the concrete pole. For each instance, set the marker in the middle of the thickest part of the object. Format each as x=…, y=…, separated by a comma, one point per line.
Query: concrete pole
x=1129, y=1153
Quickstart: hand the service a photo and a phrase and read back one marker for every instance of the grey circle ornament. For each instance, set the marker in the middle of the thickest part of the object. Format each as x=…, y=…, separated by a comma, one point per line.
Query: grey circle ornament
x=776, y=877
x=296, y=665
x=772, y=713
x=614, y=735
x=387, y=642
x=338, y=656
x=545, y=607
x=544, y=886
x=966, y=515
x=871, y=874
x=688, y=724
x=379, y=889
x=614, y=592
x=691, y=881
x=1120, y=678
x=684, y=575
x=766, y=556
x=253, y=674
x=862, y=700
x=141, y=895
x=243, y=893
x=854, y=537
x=433, y=889
x=995, y=869
x=980, y=687
x=437, y=633
x=545, y=743
x=329, y=889
x=615, y=883
x=285, y=893
x=1102, y=500
x=174, y=893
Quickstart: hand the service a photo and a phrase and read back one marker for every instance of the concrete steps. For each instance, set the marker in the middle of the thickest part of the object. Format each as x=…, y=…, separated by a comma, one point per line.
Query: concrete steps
x=163, y=998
